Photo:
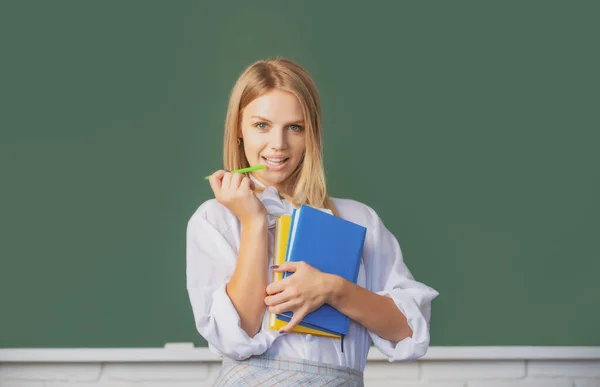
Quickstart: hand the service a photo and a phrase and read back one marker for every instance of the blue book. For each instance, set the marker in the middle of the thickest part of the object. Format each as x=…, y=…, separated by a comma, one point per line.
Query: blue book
x=332, y=245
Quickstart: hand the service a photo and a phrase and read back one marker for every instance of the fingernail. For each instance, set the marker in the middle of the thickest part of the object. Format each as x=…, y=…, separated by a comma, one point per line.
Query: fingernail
x=274, y=266
x=281, y=331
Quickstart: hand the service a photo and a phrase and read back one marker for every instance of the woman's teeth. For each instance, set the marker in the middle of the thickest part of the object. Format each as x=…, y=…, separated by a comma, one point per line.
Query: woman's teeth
x=275, y=161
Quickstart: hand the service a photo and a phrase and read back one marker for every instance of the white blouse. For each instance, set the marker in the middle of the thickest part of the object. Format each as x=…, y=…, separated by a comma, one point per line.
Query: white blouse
x=213, y=241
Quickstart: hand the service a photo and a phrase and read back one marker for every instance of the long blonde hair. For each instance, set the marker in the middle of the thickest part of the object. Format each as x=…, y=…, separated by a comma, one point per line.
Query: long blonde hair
x=258, y=79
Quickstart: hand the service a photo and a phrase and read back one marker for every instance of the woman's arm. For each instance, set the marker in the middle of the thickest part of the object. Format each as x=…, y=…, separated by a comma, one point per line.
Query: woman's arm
x=377, y=313
x=212, y=254
x=310, y=288
x=246, y=288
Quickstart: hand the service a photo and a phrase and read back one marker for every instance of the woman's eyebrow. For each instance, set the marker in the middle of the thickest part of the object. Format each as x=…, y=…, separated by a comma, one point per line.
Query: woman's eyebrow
x=299, y=121
x=262, y=118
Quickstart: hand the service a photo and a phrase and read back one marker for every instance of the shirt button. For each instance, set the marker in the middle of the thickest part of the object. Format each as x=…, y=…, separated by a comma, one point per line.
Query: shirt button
x=308, y=337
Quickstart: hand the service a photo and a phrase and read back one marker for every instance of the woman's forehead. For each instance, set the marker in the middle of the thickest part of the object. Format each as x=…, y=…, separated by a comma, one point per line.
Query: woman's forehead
x=276, y=105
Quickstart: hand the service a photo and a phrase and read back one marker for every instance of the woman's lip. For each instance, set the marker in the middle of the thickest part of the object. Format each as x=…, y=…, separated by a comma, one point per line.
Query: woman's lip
x=277, y=167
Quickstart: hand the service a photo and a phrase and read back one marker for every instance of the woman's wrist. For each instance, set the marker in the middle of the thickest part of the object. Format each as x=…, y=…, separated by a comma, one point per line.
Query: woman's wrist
x=255, y=222
x=335, y=289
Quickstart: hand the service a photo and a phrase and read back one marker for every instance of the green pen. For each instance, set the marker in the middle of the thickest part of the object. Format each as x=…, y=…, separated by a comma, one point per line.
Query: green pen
x=244, y=170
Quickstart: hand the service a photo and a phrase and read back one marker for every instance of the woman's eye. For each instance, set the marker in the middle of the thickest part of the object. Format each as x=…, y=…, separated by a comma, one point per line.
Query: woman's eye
x=261, y=125
x=295, y=128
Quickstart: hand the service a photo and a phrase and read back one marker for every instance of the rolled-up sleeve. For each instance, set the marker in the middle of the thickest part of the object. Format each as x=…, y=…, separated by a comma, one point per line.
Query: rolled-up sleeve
x=388, y=275
x=210, y=262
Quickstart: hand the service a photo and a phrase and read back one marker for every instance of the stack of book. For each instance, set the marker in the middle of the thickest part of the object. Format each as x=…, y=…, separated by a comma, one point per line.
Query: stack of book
x=328, y=243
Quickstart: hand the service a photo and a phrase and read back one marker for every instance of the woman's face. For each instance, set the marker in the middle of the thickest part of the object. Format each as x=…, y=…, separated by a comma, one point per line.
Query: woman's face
x=273, y=134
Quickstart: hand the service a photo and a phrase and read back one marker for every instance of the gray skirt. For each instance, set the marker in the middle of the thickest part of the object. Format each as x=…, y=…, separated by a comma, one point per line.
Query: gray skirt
x=279, y=371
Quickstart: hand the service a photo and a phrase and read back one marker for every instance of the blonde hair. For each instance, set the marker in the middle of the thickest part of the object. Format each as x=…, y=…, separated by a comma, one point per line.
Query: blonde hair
x=258, y=79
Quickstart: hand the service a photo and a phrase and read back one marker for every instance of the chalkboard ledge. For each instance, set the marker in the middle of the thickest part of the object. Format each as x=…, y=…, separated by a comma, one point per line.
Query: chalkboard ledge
x=187, y=353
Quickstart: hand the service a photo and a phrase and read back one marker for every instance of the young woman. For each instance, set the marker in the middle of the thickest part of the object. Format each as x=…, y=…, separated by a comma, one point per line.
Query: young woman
x=274, y=119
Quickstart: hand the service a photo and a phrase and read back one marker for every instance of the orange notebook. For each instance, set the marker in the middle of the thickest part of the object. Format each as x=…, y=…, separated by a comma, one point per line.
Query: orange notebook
x=282, y=232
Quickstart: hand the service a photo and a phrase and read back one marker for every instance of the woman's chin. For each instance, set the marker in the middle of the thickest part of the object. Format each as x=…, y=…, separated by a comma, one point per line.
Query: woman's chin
x=275, y=178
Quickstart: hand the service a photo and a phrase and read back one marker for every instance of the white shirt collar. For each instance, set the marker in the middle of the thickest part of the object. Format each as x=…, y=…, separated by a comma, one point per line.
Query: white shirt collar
x=275, y=205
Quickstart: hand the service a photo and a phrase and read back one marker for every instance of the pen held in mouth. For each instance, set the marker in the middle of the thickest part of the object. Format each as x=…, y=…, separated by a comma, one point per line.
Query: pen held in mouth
x=243, y=170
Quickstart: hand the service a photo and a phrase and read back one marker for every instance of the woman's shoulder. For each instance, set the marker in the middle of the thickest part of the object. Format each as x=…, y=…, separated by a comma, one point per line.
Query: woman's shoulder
x=213, y=213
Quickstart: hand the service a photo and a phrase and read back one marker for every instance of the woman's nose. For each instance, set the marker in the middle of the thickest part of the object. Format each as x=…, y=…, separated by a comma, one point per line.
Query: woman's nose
x=278, y=139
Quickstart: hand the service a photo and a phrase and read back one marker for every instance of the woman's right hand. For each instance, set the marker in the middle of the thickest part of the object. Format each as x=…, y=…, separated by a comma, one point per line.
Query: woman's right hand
x=236, y=192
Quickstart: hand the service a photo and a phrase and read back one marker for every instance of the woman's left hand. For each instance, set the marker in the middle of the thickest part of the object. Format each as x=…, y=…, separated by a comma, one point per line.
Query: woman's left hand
x=301, y=293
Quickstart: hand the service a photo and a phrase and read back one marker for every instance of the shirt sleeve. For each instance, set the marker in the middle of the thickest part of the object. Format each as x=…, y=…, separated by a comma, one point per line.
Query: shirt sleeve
x=210, y=262
x=388, y=275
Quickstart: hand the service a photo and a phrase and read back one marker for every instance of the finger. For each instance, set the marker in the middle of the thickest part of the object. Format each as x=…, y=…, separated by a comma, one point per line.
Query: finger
x=226, y=181
x=247, y=184
x=215, y=180
x=236, y=179
x=215, y=185
x=218, y=174
x=295, y=320
x=282, y=308
x=277, y=286
x=287, y=266
x=277, y=298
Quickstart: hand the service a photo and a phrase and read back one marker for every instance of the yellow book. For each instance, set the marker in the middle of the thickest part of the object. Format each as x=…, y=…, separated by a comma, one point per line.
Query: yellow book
x=282, y=232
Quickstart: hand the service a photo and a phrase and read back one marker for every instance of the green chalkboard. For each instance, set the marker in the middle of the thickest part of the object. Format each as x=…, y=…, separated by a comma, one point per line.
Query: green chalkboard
x=470, y=127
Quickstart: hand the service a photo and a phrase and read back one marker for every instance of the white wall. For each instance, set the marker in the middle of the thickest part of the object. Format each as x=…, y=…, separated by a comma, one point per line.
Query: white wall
x=441, y=367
